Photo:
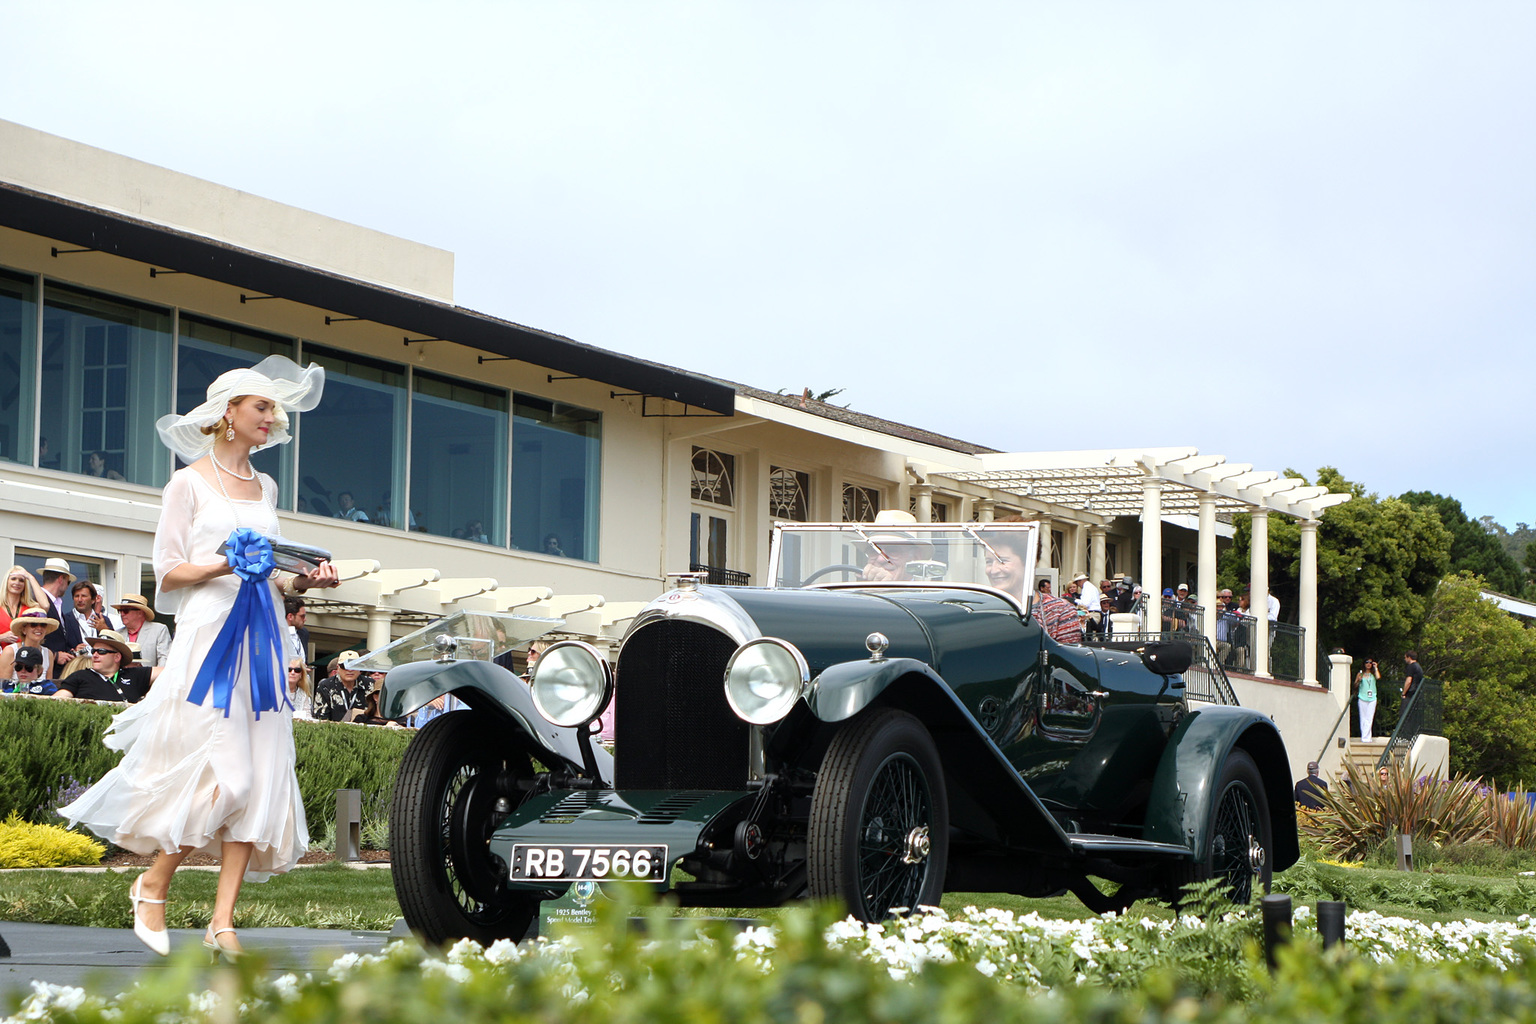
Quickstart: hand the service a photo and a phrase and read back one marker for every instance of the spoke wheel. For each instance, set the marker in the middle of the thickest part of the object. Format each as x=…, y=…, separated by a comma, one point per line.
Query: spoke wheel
x=440, y=823
x=1241, y=844
x=879, y=831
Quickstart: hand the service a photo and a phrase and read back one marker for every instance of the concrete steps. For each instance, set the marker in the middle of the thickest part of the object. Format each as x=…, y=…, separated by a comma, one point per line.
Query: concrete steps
x=1365, y=755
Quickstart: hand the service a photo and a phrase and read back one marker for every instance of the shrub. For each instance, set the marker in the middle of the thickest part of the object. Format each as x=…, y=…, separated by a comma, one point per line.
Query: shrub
x=1360, y=813
x=24, y=844
x=48, y=747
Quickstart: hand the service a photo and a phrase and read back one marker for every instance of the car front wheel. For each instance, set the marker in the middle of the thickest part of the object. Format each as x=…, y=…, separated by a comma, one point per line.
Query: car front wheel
x=440, y=823
x=879, y=831
x=1241, y=847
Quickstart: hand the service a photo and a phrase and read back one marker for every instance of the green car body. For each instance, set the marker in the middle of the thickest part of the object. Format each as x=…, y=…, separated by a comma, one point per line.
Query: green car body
x=1046, y=765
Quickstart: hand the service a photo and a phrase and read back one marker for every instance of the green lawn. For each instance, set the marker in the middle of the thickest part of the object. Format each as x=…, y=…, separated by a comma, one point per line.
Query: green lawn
x=333, y=896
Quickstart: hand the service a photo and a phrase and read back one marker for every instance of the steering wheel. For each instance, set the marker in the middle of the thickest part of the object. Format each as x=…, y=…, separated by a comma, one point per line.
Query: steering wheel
x=857, y=570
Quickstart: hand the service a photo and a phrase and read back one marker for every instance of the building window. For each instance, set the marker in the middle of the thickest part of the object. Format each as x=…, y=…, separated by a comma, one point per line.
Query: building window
x=207, y=348
x=107, y=375
x=458, y=459
x=556, y=466
x=18, y=367
x=860, y=504
x=789, y=495
x=714, y=477
x=1111, y=559
x=352, y=445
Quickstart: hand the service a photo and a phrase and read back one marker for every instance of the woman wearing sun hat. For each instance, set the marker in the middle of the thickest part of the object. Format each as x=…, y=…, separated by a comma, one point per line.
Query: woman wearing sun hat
x=29, y=626
x=208, y=755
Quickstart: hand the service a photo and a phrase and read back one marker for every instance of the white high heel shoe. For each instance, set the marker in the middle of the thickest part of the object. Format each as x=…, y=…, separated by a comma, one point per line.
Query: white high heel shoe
x=157, y=941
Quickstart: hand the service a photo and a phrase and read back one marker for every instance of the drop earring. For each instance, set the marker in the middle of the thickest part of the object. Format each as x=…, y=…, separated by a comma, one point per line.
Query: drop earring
x=229, y=435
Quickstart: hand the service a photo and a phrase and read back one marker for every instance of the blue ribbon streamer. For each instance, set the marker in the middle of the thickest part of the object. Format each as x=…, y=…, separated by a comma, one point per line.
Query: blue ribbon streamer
x=249, y=638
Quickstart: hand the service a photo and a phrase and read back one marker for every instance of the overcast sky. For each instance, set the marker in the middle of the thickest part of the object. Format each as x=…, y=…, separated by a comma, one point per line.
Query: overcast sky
x=1296, y=234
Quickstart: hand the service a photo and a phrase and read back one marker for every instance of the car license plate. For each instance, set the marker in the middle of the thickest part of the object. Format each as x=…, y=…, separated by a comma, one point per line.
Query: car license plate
x=541, y=863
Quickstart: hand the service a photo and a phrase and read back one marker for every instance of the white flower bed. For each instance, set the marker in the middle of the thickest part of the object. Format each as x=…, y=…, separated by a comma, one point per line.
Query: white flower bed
x=1023, y=949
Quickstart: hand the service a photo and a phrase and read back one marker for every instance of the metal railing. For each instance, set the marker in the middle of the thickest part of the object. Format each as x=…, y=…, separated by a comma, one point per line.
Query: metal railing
x=1420, y=716
x=1285, y=646
x=722, y=577
x=1205, y=681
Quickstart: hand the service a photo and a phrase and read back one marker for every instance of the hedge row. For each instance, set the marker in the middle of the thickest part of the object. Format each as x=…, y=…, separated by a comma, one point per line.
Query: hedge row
x=612, y=974
x=51, y=749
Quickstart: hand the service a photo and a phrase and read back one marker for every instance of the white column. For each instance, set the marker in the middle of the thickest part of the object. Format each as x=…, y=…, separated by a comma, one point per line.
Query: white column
x=378, y=627
x=1205, y=575
x=923, y=493
x=1096, y=554
x=1258, y=592
x=1152, y=552
x=1306, y=606
x=984, y=509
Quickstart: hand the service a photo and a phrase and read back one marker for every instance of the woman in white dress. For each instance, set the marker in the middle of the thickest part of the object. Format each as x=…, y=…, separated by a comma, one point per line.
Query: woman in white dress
x=208, y=755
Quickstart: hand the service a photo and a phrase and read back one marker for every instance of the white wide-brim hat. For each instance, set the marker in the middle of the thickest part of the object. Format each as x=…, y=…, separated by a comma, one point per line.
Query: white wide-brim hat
x=292, y=387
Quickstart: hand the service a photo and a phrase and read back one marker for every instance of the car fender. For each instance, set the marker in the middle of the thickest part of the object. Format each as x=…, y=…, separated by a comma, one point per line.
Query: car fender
x=985, y=789
x=845, y=689
x=1183, y=787
x=487, y=687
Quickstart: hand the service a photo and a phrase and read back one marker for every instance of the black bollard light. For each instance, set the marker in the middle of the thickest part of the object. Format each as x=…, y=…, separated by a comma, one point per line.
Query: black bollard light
x=1330, y=922
x=1277, y=925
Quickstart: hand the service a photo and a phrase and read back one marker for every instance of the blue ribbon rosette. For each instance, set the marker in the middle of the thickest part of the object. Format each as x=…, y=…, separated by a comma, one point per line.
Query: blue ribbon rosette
x=250, y=638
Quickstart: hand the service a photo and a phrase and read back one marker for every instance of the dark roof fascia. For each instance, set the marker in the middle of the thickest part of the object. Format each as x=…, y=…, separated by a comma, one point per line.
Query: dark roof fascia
x=159, y=246
x=865, y=421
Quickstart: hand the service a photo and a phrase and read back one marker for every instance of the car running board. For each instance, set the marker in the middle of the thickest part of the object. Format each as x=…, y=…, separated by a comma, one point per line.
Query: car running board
x=1121, y=848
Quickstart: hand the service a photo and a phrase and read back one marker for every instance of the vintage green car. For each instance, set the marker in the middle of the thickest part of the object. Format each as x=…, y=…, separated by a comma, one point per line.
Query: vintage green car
x=886, y=723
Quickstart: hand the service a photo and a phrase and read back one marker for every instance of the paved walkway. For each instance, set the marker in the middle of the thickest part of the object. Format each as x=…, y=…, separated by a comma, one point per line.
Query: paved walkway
x=106, y=961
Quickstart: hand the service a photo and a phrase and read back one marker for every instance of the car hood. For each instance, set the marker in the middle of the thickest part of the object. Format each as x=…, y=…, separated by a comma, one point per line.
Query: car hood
x=829, y=626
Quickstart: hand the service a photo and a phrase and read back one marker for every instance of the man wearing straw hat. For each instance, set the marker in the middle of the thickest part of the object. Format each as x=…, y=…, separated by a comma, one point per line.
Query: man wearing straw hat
x=890, y=550
x=108, y=678
x=66, y=641
x=140, y=627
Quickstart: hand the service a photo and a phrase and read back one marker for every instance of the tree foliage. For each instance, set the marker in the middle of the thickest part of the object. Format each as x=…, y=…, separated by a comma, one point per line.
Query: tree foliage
x=1487, y=661
x=1474, y=548
x=1378, y=560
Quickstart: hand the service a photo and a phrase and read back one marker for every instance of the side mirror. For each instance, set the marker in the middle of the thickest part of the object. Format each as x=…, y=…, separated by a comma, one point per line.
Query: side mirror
x=1168, y=658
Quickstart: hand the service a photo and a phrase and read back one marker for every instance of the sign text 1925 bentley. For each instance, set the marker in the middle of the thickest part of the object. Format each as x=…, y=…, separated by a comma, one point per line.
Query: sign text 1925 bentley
x=885, y=723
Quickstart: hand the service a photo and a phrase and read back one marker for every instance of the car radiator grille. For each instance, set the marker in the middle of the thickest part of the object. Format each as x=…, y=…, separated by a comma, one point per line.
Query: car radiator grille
x=672, y=726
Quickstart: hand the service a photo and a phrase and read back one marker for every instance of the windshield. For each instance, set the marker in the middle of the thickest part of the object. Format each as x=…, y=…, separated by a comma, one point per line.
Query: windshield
x=477, y=636
x=1000, y=555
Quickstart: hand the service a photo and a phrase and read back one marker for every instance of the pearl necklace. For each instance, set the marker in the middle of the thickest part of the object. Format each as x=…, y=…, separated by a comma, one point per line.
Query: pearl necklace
x=231, y=472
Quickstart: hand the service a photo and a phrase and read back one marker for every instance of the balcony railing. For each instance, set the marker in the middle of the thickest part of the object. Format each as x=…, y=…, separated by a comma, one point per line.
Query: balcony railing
x=1285, y=646
x=722, y=577
x=1205, y=681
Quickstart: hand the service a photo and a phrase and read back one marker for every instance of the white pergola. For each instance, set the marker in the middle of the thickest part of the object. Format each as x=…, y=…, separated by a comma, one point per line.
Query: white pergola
x=381, y=595
x=1096, y=486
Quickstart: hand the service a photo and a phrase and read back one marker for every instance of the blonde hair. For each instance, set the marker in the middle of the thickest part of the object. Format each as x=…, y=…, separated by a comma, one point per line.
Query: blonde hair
x=33, y=595
x=304, y=681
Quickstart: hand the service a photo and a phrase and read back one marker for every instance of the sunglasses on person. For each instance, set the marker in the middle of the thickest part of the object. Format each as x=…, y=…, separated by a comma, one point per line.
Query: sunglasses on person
x=291, y=670
x=101, y=652
x=28, y=668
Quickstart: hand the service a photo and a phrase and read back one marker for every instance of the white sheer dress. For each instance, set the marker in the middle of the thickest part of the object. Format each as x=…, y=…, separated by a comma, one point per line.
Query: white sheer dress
x=191, y=777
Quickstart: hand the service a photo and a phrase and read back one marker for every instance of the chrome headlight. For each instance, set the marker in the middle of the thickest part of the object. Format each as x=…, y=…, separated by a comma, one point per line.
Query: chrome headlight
x=571, y=683
x=764, y=678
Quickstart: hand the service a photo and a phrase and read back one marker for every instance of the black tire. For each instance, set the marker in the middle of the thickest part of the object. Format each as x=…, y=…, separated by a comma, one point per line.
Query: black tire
x=1242, y=844
x=440, y=822
x=879, y=831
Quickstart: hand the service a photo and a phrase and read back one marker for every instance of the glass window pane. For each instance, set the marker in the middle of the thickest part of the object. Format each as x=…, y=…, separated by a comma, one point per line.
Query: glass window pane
x=556, y=463
x=18, y=366
x=789, y=494
x=458, y=459
x=207, y=348
x=714, y=476
x=352, y=447
x=124, y=348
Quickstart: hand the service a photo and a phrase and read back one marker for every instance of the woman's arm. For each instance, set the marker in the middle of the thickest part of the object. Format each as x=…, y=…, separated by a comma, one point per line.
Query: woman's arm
x=186, y=574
